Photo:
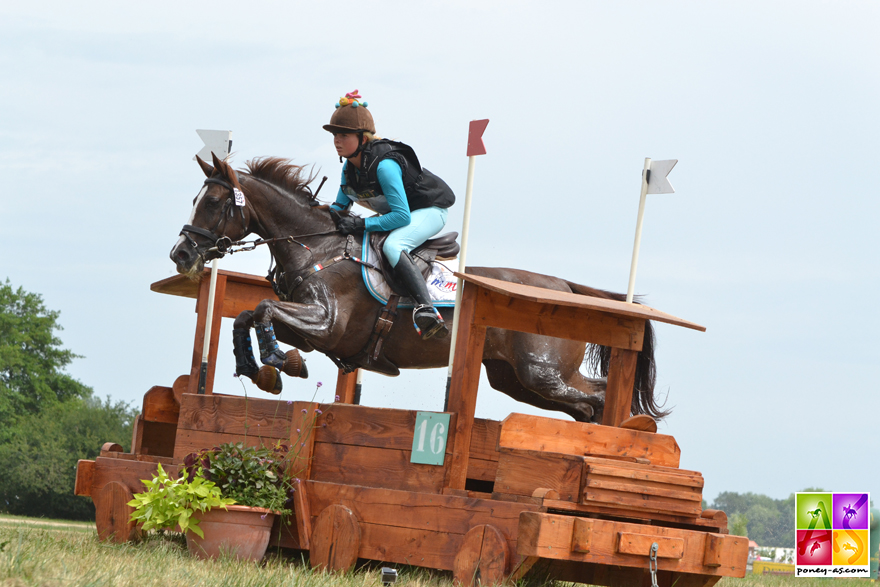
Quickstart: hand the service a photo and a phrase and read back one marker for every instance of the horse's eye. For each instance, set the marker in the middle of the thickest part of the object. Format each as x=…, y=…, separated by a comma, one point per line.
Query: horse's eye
x=212, y=201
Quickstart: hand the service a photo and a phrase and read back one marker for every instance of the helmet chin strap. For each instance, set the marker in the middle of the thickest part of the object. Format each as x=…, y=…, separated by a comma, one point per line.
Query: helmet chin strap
x=358, y=150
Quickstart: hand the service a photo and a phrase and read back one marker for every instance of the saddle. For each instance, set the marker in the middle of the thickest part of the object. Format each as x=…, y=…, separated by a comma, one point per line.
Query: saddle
x=443, y=247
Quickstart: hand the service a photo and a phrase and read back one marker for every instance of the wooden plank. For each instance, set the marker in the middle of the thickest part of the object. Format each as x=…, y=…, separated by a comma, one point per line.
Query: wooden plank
x=365, y=426
x=181, y=285
x=716, y=518
x=641, y=422
x=645, y=473
x=236, y=415
x=129, y=473
x=521, y=431
x=85, y=476
x=484, y=439
x=463, y=386
x=497, y=310
x=644, y=488
x=522, y=472
x=306, y=418
x=190, y=441
x=137, y=434
x=641, y=544
x=241, y=297
x=641, y=502
x=303, y=513
x=481, y=470
x=160, y=405
x=346, y=383
x=619, y=387
x=549, y=536
x=447, y=514
x=373, y=467
x=686, y=521
x=547, y=296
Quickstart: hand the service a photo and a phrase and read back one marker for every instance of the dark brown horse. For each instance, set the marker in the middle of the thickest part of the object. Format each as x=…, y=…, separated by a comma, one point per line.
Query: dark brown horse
x=332, y=311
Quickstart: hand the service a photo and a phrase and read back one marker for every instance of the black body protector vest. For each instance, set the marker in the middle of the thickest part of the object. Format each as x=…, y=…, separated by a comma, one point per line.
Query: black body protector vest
x=423, y=188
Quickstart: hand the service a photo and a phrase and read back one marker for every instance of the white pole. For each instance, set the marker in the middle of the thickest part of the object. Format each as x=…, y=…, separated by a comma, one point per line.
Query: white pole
x=209, y=318
x=635, y=259
x=462, y=259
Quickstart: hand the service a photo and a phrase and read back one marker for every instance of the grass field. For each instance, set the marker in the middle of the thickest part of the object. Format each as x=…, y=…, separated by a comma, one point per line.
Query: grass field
x=50, y=553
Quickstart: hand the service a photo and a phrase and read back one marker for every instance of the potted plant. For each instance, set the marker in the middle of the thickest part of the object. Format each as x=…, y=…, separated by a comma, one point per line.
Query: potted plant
x=226, y=500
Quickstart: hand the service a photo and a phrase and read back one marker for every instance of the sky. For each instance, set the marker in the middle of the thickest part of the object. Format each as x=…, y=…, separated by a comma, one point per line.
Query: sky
x=768, y=240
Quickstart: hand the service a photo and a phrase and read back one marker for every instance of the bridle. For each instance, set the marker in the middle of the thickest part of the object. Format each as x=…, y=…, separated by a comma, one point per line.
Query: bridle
x=216, y=240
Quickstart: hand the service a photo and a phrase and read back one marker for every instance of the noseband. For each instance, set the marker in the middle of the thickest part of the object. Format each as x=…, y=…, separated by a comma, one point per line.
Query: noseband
x=219, y=242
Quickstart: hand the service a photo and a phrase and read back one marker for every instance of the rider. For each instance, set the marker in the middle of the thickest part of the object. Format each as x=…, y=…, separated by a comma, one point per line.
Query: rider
x=410, y=202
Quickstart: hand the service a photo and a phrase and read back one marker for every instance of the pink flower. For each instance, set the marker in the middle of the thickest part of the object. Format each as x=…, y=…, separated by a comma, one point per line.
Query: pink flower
x=297, y=429
x=337, y=398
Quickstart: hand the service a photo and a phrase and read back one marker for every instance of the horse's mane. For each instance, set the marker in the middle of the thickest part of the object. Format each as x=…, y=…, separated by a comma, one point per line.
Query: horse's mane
x=282, y=173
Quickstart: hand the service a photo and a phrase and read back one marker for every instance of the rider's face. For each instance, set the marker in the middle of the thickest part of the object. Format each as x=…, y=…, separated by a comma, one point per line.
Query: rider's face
x=345, y=143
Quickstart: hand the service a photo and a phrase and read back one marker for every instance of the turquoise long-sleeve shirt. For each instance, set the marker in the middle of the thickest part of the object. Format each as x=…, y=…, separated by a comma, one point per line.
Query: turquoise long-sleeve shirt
x=392, y=205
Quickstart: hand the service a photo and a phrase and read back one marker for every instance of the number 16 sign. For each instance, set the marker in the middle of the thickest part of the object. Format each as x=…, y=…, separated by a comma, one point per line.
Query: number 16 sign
x=429, y=438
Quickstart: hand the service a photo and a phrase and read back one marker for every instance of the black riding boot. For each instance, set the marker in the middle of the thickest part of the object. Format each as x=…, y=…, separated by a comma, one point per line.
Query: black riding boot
x=270, y=354
x=427, y=320
x=245, y=364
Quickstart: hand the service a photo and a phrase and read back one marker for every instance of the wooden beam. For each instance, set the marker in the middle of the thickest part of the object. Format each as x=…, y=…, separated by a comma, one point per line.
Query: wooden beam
x=346, y=384
x=495, y=309
x=619, y=387
x=463, y=387
x=525, y=432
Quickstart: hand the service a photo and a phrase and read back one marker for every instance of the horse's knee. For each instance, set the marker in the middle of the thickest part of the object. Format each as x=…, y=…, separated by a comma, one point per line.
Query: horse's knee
x=244, y=320
x=263, y=312
x=542, y=378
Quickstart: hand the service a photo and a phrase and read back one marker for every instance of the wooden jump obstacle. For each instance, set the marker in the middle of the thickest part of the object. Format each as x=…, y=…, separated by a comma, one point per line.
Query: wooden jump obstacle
x=559, y=499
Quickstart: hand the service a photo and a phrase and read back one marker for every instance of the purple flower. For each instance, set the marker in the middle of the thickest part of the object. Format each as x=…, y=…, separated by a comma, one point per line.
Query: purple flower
x=318, y=412
x=305, y=411
x=337, y=398
x=263, y=517
x=324, y=424
x=302, y=444
x=290, y=401
x=320, y=384
x=297, y=429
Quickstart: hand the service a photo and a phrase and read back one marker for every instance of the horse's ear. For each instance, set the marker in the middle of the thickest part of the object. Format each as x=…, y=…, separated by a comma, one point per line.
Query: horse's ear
x=225, y=170
x=207, y=169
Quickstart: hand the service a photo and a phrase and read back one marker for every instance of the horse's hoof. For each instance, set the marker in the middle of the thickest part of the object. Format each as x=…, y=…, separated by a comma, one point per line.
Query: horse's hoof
x=294, y=366
x=268, y=380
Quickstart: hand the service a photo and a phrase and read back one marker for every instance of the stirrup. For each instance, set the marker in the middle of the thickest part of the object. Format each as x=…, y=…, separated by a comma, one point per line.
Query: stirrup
x=432, y=323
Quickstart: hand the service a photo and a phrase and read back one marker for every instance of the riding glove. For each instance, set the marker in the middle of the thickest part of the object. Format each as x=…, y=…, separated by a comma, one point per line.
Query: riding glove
x=351, y=224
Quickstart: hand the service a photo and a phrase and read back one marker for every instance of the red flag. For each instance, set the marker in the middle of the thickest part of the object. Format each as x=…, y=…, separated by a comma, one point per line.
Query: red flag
x=475, y=137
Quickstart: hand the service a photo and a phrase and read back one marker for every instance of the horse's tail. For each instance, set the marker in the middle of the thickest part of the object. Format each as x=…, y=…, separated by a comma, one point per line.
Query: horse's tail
x=598, y=357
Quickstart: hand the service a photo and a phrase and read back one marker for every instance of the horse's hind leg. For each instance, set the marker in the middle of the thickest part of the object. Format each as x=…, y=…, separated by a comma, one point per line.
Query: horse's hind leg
x=503, y=378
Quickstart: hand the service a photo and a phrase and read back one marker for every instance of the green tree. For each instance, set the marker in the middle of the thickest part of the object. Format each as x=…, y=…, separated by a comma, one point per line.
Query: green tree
x=48, y=419
x=40, y=454
x=31, y=357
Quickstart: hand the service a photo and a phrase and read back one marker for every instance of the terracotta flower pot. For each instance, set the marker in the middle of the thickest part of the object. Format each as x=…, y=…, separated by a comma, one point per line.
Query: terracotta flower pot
x=240, y=531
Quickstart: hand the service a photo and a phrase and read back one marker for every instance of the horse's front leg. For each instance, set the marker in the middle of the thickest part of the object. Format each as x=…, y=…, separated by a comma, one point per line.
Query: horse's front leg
x=319, y=324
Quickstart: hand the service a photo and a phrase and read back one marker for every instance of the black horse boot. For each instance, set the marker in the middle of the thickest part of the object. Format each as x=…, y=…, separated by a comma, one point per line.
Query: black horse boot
x=426, y=319
x=270, y=354
x=245, y=364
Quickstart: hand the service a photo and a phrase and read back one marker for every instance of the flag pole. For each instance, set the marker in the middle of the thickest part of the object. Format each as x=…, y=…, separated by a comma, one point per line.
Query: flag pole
x=635, y=258
x=475, y=147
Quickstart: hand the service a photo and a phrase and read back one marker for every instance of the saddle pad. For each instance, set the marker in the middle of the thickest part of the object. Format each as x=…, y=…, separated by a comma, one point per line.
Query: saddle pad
x=441, y=282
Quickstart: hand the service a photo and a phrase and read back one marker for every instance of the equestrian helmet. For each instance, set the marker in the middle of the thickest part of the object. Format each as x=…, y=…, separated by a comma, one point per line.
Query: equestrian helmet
x=351, y=115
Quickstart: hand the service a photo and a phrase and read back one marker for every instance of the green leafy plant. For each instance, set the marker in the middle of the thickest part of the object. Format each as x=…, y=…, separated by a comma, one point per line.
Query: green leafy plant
x=251, y=476
x=171, y=502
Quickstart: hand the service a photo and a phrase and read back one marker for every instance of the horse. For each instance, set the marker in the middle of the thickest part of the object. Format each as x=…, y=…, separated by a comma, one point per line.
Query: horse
x=332, y=311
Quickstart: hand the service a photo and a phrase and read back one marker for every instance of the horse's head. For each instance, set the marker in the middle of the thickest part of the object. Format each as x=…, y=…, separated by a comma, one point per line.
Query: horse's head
x=215, y=215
